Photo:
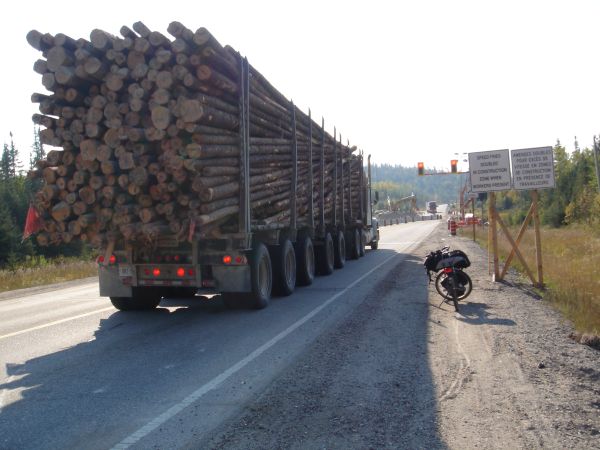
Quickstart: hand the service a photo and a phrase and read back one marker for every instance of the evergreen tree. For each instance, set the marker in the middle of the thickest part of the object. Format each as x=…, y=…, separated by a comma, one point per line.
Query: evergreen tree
x=16, y=167
x=9, y=236
x=37, y=149
x=5, y=163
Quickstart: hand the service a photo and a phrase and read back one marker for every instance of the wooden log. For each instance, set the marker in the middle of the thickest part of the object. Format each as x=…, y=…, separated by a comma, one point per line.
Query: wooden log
x=40, y=66
x=89, y=148
x=101, y=40
x=97, y=182
x=57, y=57
x=161, y=117
x=155, y=229
x=87, y=195
x=50, y=191
x=39, y=41
x=213, y=216
x=208, y=74
x=61, y=211
x=138, y=176
x=141, y=29
x=148, y=215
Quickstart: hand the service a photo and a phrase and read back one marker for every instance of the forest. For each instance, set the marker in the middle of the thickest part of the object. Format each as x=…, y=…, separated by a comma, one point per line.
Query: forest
x=16, y=192
x=575, y=200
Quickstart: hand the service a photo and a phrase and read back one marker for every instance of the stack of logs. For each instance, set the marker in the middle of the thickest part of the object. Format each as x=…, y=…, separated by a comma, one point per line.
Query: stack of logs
x=147, y=137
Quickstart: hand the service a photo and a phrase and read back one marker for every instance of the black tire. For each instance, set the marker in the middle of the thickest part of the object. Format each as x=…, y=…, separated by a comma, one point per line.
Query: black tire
x=374, y=245
x=339, y=260
x=325, y=256
x=284, y=268
x=305, y=260
x=443, y=284
x=142, y=299
x=261, y=276
x=354, y=244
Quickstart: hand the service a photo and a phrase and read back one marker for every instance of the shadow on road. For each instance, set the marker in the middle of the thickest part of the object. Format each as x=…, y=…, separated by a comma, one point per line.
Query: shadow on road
x=476, y=314
x=138, y=362
x=365, y=383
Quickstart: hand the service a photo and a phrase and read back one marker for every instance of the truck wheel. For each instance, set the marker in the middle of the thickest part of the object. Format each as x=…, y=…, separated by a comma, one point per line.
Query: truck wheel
x=305, y=260
x=355, y=244
x=325, y=256
x=284, y=267
x=340, y=251
x=261, y=276
x=143, y=299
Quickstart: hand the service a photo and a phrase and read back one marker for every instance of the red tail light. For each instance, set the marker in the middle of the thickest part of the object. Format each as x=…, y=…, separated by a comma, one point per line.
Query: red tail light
x=227, y=259
x=156, y=272
x=111, y=260
x=191, y=272
x=181, y=272
x=447, y=269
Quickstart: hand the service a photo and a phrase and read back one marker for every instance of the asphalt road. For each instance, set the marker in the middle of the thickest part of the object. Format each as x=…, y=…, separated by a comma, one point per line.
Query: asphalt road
x=76, y=373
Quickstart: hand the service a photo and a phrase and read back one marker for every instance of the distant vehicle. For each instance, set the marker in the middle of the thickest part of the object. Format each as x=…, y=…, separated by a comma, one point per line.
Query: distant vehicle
x=432, y=207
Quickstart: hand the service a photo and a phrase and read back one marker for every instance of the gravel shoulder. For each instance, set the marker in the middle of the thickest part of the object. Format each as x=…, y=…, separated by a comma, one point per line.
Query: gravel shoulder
x=402, y=372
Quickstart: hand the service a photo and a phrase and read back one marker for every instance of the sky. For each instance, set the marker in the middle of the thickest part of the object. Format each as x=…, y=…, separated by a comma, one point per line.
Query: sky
x=405, y=81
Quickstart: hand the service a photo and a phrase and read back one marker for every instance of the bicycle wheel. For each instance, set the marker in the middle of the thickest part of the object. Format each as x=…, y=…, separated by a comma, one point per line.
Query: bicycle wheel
x=443, y=284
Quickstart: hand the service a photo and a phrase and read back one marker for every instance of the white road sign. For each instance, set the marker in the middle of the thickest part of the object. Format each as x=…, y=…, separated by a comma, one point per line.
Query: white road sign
x=490, y=171
x=532, y=168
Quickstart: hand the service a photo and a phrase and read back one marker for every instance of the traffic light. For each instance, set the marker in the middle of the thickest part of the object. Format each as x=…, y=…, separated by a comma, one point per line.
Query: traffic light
x=421, y=168
x=453, y=165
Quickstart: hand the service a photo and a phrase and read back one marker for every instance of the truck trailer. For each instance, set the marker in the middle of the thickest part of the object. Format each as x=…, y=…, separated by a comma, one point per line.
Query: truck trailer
x=189, y=171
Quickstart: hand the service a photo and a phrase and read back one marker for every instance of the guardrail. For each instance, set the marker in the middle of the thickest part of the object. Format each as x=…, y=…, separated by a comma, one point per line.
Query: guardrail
x=386, y=221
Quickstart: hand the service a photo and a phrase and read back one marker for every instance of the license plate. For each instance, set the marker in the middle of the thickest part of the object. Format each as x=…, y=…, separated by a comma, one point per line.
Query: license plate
x=125, y=270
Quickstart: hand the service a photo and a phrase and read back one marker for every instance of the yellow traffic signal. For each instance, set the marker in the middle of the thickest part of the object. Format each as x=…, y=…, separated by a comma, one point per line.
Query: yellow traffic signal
x=421, y=168
x=453, y=165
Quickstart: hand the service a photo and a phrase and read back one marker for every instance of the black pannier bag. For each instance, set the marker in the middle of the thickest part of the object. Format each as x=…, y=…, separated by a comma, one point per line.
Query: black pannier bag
x=433, y=260
x=462, y=264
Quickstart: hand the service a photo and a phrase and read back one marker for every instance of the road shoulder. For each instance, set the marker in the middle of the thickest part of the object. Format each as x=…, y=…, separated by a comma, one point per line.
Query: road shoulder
x=401, y=372
x=8, y=295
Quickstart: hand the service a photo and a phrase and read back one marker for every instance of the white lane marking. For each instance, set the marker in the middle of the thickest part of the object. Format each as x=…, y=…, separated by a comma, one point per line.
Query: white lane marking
x=215, y=382
x=57, y=322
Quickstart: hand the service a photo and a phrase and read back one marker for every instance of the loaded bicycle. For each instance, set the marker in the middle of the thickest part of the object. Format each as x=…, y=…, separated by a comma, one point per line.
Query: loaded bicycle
x=451, y=282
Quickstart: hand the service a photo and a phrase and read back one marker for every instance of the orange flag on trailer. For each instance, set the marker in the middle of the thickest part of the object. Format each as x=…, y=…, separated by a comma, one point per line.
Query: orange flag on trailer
x=33, y=222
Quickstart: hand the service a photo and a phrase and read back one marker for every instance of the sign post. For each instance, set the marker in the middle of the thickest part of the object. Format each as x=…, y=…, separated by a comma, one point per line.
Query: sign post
x=533, y=168
x=490, y=172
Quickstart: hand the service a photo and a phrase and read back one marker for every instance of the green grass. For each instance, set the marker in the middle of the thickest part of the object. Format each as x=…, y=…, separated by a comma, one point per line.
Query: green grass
x=38, y=271
x=570, y=260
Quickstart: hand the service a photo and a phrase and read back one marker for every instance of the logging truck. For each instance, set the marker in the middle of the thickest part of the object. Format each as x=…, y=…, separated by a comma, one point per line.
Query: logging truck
x=326, y=217
x=189, y=171
x=245, y=266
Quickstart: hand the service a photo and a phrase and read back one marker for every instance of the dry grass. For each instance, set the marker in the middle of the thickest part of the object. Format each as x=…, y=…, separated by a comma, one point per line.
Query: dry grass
x=571, y=261
x=46, y=273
